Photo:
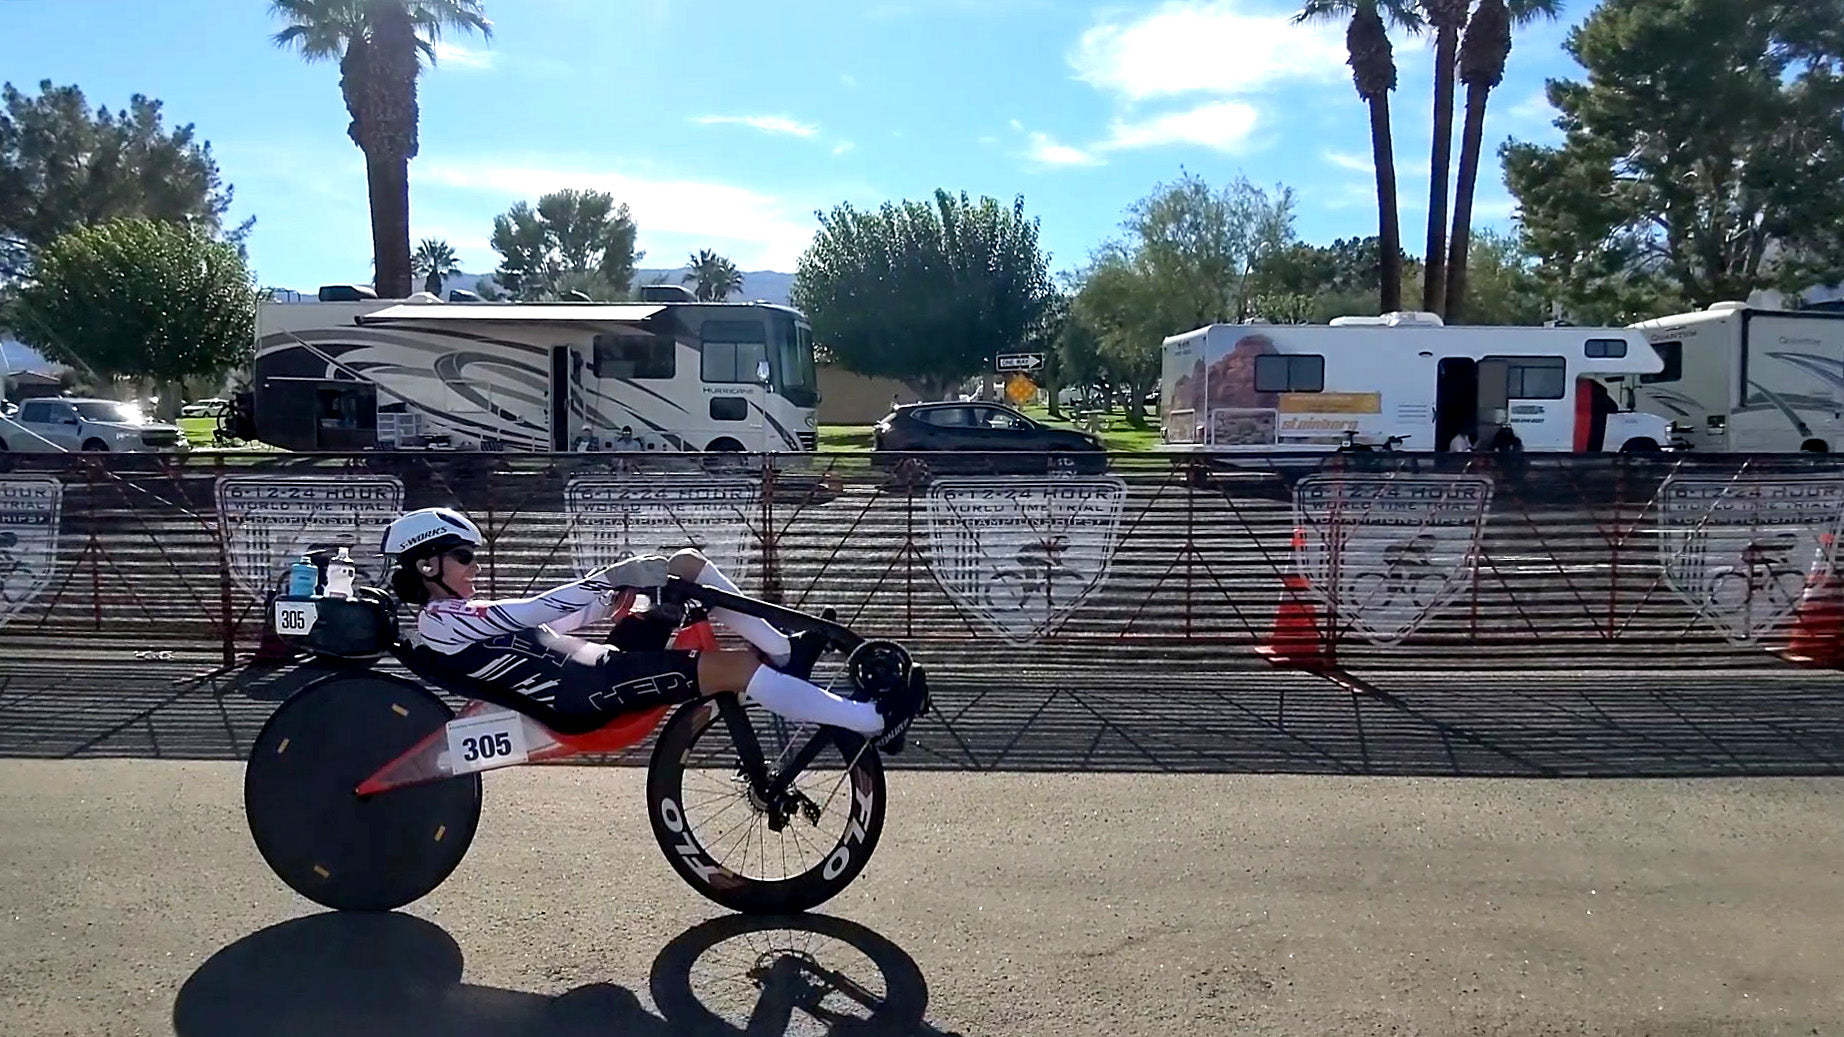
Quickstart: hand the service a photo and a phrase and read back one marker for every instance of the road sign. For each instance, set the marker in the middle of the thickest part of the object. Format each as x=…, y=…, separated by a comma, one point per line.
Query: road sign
x=1019, y=361
x=1020, y=389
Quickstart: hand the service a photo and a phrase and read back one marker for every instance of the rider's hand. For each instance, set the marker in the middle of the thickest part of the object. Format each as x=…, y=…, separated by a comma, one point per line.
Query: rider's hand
x=642, y=571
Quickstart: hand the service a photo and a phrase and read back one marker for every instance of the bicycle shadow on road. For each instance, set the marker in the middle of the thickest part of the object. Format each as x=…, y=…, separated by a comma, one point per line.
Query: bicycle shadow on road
x=372, y=975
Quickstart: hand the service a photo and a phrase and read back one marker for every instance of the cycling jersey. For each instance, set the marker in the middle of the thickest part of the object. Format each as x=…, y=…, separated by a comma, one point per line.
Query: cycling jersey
x=522, y=646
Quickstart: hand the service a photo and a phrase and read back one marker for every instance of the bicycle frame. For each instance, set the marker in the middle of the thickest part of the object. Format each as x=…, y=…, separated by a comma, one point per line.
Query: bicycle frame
x=434, y=757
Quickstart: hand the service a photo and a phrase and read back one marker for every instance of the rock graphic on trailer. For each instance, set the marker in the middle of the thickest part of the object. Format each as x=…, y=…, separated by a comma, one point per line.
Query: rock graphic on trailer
x=1385, y=552
x=29, y=507
x=1020, y=554
x=1741, y=551
x=268, y=521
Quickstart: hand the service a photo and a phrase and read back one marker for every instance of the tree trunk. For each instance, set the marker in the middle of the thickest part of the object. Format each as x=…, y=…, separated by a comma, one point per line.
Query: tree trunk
x=1389, y=231
x=1433, y=287
x=1471, y=140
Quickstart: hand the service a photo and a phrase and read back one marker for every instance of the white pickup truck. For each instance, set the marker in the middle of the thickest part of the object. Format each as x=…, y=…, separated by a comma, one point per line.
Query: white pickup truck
x=64, y=424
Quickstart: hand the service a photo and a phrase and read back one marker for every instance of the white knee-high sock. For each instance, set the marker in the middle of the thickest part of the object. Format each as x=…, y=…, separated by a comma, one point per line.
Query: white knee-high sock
x=806, y=703
x=753, y=629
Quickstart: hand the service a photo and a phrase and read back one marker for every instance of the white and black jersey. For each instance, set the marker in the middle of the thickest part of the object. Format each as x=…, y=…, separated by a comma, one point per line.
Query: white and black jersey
x=521, y=646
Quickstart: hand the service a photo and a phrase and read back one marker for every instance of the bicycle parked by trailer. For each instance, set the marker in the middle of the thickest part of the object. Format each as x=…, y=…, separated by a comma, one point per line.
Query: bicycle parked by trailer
x=363, y=790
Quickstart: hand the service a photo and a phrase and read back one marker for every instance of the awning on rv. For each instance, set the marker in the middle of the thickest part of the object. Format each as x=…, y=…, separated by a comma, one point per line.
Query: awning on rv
x=612, y=313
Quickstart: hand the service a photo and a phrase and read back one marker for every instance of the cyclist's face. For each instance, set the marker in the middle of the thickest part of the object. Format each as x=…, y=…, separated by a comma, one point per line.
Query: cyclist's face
x=459, y=567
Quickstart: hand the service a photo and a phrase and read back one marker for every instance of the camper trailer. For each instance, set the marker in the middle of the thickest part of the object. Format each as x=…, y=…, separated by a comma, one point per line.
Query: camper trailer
x=1746, y=380
x=346, y=372
x=1403, y=380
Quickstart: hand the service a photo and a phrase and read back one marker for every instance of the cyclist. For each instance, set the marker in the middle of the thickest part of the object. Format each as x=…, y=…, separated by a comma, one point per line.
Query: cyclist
x=523, y=646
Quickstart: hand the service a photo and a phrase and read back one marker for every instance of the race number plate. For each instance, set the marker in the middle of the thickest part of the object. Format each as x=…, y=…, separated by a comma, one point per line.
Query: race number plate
x=295, y=618
x=488, y=740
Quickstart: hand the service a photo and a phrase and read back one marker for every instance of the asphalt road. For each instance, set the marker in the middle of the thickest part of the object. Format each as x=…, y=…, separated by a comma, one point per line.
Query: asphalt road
x=132, y=902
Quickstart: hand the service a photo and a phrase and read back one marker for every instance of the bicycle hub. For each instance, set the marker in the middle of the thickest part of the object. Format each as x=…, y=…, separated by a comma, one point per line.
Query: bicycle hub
x=877, y=667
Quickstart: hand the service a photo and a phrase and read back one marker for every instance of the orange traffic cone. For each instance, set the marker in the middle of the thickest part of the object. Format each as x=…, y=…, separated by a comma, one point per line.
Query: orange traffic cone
x=1818, y=621
x=1296, y=640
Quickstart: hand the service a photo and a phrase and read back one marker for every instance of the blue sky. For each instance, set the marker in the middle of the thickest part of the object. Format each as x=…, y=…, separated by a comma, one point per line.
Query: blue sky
x=726, y=124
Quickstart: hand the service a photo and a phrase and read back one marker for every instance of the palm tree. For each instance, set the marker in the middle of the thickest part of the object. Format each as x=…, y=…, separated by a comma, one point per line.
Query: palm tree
x=380, y=46
x=716, y=276
x=436, y=261
x=1482, y=67
x=1446, y=18
x=1373, y=72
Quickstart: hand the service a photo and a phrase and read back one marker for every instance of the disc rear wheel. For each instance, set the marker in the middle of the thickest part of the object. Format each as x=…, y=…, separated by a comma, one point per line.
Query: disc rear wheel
x=333, y=846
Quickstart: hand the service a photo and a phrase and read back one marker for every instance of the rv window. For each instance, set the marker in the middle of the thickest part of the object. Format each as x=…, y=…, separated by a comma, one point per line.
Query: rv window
x=732, y=349
x=729, y=408
x=1672, y=353
x=1606, y=348
x=1536, y=378
x=1302, y=373
x=619, y=356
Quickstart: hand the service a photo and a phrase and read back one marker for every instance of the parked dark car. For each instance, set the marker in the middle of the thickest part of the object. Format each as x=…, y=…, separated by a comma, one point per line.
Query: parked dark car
x=975, y=438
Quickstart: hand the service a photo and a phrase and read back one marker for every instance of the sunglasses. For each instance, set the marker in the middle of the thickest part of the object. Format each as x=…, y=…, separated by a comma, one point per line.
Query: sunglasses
x=464, y=555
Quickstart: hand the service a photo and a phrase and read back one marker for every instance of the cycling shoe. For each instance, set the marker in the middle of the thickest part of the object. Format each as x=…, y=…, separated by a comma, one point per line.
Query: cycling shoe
x=900, y=708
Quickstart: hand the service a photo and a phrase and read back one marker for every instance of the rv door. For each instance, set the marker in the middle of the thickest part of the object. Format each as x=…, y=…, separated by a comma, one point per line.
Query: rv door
x=1494, y=400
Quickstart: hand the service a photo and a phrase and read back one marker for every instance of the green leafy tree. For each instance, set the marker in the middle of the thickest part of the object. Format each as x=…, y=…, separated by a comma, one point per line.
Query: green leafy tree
x=1186, y=260
x=1703, y=157
x=573, y=241
x=1502, y=283
x=137, y=298
x=435, y=261
x=1373, y=72
x=381, y=46
x=924, y=292
x=715, y=276
x=1482, y=67
x=64, y=165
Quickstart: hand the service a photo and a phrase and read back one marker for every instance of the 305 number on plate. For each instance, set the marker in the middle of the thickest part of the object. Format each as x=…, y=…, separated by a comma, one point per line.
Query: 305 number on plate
x=295, y=618
x=488, y=740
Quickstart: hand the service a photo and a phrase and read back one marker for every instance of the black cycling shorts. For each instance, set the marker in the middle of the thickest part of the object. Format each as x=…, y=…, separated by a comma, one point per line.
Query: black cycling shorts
x=627, y=681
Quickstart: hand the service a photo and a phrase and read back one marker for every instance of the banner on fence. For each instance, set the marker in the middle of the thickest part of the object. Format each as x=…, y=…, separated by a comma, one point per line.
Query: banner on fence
x=612, y=517
x=1742, y=551
x=29, y=508
x=1387, y=551
x=1020, y=554
x=271, y=520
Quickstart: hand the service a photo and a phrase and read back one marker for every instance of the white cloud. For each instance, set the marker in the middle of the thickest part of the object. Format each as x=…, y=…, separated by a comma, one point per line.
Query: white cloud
x=1535, y=108
x=842, y=147
x=779, y=124
x=756, y=230
x=454, y=56
x=1225, y=47
x=1047, y=151
x=1352, y=162
x=1223, y=126
x=848, y=81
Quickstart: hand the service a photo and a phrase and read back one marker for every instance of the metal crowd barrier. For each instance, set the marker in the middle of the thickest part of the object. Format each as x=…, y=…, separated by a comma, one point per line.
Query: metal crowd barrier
x=994, y=562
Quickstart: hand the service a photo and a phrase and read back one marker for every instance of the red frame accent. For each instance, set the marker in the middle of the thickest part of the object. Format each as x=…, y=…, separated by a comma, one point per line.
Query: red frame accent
x=619, y=733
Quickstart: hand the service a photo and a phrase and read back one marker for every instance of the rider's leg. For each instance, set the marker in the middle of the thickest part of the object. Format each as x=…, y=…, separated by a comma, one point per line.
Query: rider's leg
x=784, y=693
x=691, y=565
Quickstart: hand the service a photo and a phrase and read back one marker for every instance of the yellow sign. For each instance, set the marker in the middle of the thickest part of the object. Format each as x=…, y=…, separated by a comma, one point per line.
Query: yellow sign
x=1020, y=389
x=1330, y=403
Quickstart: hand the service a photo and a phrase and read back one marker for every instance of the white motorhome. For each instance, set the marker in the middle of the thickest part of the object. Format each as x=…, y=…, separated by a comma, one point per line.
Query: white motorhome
x=1402, y=376
x=374, y=373
x=1742, y=379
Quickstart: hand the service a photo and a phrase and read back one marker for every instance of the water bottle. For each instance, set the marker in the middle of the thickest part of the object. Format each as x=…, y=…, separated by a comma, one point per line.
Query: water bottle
x=303, y=578
x=340, y=574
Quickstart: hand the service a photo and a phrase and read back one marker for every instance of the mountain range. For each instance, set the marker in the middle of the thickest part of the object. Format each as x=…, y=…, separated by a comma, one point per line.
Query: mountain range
x=771, y=286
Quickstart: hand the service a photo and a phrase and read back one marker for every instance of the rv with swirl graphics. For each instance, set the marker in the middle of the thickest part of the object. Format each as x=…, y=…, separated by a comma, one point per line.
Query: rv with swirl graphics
x=1402, y=381
x=345, y=373
x=1745, y=379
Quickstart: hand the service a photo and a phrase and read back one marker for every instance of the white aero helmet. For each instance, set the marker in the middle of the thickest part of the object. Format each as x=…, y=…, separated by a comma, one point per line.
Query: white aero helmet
x=429, y=531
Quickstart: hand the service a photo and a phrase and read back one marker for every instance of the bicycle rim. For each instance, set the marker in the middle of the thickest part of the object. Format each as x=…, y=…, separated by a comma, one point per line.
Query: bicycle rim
x=718, y=834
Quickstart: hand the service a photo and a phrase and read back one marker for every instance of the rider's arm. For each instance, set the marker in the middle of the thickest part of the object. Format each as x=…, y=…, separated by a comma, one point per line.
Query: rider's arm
x=450, y=624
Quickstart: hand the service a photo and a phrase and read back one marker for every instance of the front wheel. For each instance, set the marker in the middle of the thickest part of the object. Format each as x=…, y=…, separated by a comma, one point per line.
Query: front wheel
x=763, y=854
